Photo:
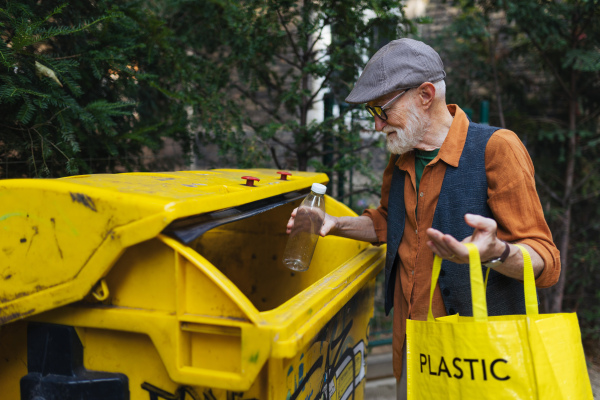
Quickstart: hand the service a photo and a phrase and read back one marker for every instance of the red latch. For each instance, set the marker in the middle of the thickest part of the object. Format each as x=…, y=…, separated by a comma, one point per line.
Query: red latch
x=284, y=175
x=250, y=180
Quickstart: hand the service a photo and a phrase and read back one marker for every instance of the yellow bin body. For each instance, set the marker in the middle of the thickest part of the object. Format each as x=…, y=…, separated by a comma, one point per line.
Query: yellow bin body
x=173, y=282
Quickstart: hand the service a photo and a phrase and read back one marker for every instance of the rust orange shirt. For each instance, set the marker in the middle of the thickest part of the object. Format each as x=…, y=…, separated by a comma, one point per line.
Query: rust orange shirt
x=512, y=198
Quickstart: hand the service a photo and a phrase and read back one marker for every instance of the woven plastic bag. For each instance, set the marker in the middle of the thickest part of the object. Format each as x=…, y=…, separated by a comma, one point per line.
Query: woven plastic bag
x=532, y=356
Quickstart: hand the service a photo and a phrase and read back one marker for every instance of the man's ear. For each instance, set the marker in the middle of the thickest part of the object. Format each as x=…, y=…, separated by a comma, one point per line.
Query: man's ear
x=426, y=94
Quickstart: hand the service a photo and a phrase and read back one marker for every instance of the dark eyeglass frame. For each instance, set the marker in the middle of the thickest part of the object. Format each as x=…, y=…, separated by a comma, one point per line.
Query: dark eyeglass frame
x=379, y=111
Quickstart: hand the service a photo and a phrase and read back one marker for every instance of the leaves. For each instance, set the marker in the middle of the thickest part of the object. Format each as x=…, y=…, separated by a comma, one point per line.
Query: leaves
x=108, y=58
x=582, y=60
x=547, y=66
x=282, y=57
x=45, y=71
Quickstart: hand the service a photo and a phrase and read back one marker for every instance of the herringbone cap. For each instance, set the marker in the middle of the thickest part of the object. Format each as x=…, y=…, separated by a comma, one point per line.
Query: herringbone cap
x=400, y=64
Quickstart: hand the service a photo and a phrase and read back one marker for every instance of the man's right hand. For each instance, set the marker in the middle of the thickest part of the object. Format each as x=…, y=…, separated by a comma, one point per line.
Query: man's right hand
x=357, y=228
x=329, y=223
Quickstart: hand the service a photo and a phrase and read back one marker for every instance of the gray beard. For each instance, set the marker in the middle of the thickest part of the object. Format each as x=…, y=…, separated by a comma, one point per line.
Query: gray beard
x=408, y=138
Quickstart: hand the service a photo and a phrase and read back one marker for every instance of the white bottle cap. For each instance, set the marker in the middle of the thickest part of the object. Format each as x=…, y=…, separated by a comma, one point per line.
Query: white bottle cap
x=318, y=188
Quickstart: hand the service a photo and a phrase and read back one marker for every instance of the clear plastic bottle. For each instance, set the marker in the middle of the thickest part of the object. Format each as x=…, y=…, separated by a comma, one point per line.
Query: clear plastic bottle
x=305, y=233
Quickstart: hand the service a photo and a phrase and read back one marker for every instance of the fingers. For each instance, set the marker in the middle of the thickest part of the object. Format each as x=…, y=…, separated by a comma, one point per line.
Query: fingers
x=328, y=225
x=290, y=223
x=447, y=246
x=481, y=223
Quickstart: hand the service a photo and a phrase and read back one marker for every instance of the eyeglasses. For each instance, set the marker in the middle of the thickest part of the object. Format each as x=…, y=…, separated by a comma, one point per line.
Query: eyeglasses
x=379, y=111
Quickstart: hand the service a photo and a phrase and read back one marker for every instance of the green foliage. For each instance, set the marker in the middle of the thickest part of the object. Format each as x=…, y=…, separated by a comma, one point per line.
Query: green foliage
x=87, y=86
x=273, y=63
x=539, y=65
x=84, y=87
x=582, y=293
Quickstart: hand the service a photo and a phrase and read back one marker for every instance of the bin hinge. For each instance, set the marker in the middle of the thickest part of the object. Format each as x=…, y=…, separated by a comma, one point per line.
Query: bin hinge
x=100, y=290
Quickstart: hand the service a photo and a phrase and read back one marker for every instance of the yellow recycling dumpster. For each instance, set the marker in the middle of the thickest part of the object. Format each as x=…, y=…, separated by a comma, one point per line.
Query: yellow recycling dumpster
x=170, y=286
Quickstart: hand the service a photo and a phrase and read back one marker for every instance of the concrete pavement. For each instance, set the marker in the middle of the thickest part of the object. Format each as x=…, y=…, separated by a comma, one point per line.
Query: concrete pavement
x=381, y=384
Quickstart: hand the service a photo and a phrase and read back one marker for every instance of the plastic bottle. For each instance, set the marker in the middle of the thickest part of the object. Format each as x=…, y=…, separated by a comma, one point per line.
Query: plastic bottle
x=305, y=233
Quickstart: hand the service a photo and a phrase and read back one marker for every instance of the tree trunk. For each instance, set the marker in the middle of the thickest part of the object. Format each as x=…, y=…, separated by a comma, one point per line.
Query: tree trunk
x=302, y=161
x=492, y=44
x=564, y=244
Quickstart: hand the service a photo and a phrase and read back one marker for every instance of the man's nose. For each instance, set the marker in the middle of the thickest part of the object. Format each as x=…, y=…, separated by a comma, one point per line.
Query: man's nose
x=379, y=124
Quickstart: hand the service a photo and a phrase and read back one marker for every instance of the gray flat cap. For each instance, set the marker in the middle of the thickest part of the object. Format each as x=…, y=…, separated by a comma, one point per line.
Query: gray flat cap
x=400, y=64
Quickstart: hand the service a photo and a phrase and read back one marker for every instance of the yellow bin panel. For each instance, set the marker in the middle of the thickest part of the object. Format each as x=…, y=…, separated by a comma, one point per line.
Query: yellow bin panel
x=61, y=236
x=218, y=318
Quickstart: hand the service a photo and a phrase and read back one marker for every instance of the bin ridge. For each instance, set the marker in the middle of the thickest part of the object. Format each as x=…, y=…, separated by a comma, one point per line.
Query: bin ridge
x=174, y=282
x=61, y=236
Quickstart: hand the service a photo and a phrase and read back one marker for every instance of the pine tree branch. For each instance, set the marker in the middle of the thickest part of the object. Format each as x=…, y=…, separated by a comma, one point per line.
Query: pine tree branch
x=42, y=144
x=328, y=123
x=51, y=118
x=13, y=128
x=547, y=61
x=585, y=179
x=553, y=121
x=284, y=145
x=250, y=96
x=319, y=36
x=32, y=153
x=579, y=199
x=274, y=156
x=492, y=47
x=321, y=58
x=340, y=156
x=64, y=58
x=289, y=62
x=54, y=32
x=325, y=81
x=289, y=35
x=52, y=144
x=552, y=194
x=591, y=116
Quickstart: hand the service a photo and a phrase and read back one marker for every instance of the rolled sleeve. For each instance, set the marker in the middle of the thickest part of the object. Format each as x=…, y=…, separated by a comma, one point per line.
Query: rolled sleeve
x=379, y=215
x=514, y=201
x=551, y=256
x=379, y=218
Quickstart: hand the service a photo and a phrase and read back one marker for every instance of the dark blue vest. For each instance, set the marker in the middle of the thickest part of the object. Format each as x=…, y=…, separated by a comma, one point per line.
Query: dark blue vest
x=464, y=190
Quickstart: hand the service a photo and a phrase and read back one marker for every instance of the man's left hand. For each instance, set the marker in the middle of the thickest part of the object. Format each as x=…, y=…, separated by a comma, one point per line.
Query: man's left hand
x=484, y=237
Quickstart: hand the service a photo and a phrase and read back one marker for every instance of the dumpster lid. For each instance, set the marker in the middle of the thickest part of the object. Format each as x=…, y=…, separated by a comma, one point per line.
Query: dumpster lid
x=61, y=236
x=188, y=229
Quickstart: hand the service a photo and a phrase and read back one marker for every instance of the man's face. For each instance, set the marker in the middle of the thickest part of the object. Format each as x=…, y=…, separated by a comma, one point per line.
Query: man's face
x=405, y=126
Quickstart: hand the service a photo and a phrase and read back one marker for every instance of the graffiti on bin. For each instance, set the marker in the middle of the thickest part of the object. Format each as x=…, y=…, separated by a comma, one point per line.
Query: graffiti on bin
x=181, y=393
x=342, y=372
x=84, y=200
x=187, y=393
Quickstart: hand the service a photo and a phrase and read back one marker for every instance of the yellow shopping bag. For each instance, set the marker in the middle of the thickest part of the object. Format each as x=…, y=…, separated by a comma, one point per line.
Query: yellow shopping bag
x=532, y=356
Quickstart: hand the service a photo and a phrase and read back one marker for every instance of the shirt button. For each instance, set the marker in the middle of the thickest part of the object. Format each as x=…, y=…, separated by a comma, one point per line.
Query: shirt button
x=451, y=311
x=417, y=231
x=421, y=194
x=413, y=272
x=446, y=292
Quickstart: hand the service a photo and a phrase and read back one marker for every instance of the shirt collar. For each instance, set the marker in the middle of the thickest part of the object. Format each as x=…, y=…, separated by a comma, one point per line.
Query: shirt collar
x=453, y=145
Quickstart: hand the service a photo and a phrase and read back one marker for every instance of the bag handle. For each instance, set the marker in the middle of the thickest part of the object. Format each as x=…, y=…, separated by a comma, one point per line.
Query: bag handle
x=531, y=303
x=478, y=288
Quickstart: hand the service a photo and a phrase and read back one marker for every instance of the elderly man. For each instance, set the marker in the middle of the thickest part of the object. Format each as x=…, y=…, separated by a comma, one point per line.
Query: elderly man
x=449, y=181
